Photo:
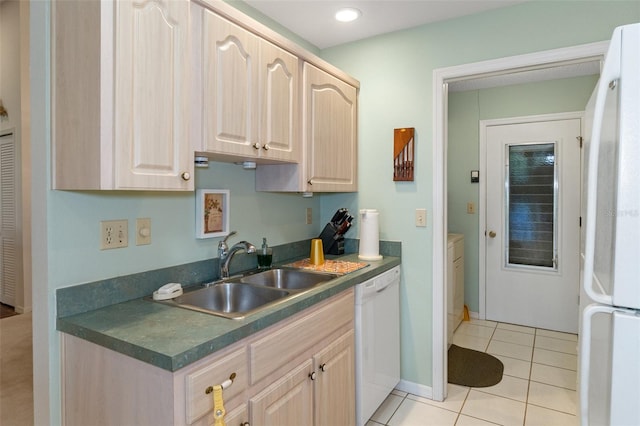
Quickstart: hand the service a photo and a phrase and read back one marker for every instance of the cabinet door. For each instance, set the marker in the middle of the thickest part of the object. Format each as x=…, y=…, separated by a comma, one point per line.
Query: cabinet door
x=287, y=402
x=151, y=144
x=237, y=417
x=231, y=87
x=279, y=118
x=329, y=128
x=335, y=383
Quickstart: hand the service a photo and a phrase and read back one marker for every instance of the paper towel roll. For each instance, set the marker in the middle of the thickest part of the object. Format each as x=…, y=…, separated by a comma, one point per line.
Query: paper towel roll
x=369, y=235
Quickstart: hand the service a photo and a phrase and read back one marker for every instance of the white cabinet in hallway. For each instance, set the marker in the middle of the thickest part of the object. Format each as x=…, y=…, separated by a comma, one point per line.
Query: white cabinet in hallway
x=455, y=283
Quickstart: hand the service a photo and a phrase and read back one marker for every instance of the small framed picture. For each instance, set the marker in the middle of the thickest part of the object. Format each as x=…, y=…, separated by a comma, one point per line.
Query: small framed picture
x=212, y=213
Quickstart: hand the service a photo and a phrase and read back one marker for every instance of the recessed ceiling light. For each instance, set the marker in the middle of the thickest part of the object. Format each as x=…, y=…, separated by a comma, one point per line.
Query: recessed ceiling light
x=348, y=14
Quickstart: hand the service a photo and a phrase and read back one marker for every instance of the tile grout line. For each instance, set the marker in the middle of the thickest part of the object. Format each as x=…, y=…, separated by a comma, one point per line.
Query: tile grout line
x=526, y=405
x=404, y=398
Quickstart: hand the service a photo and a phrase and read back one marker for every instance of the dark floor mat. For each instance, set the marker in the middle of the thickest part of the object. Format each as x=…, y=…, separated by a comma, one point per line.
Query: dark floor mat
x=7, y=311
x=473, y=368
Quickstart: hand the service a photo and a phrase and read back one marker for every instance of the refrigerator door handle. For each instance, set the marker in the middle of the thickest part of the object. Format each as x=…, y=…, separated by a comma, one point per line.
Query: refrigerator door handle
x=585, y=353
x=610, y=72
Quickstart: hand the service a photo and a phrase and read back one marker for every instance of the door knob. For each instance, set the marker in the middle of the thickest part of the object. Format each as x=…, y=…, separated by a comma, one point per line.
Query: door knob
x=492, y=234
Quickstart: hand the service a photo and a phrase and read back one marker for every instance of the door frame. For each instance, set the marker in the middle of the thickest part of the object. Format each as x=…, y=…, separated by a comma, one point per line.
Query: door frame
x=482, y=196
x=440, y=78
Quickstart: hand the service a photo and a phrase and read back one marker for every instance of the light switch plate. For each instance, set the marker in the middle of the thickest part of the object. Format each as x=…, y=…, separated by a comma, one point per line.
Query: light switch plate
x=421, y=218
x=471, y=207
x=143, y=231
x=309, y=216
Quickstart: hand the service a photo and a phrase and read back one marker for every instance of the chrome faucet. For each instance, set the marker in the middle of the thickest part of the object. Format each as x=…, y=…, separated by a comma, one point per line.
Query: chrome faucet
x=225, y=253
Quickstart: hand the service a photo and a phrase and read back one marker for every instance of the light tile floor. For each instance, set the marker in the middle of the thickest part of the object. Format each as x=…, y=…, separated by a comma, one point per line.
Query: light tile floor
x=538, y=386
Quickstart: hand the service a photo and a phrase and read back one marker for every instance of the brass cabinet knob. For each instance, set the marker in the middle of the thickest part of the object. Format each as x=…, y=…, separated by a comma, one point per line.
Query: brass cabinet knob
x=186, y=176
x=256, y=145
x=492, y=234
x=312, y=375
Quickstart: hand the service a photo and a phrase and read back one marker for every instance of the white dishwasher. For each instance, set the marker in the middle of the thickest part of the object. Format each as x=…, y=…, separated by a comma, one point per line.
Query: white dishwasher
x=377, y=341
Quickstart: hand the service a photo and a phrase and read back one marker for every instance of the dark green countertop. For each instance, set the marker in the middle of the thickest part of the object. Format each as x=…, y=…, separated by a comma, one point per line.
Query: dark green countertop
x=172, y=338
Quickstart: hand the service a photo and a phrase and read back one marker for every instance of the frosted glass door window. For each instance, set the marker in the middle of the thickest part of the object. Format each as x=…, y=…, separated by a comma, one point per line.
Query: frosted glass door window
x=531, y=205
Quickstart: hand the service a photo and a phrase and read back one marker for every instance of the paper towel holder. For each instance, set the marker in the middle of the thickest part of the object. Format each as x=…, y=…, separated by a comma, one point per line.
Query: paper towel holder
x=369, y=235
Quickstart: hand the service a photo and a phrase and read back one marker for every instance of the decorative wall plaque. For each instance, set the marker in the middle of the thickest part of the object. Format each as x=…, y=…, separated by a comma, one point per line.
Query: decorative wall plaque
x=403, y=154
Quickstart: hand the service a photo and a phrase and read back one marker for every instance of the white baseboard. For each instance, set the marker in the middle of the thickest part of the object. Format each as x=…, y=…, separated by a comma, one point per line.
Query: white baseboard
x=22, y=309
x=415, y=389
x=474, y=315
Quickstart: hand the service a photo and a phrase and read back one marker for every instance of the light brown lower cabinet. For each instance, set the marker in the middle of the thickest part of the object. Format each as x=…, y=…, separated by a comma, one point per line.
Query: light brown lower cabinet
x=299, y=371
x=320, y=391
x=335, y=382
x=289, y=401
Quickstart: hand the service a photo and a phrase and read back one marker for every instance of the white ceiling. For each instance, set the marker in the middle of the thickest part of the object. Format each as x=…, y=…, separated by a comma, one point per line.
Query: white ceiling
x=313, y=20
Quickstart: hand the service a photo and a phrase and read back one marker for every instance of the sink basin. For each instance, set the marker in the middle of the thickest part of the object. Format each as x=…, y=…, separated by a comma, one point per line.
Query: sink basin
x=229, y=299
x=238, y=297
x=289, y=279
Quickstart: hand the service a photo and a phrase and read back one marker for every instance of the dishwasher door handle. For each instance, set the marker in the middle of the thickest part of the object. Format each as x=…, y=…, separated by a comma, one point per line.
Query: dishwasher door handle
x=380, y=290
x=389, y=284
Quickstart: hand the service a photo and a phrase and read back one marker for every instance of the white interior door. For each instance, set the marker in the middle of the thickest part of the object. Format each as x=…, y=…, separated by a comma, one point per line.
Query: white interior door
x=9, y=262
x=532, y=224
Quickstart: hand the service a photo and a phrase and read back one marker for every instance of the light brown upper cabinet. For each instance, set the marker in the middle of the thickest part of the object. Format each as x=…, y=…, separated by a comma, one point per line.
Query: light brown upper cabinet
x=330, y=129
x=121, y=95
x=329, y=132
x=250, y=95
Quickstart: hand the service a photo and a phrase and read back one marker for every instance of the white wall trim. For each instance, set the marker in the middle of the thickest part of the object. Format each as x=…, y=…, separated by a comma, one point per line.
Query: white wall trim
x=415, y=389
x=441, y=76
x=482, y=206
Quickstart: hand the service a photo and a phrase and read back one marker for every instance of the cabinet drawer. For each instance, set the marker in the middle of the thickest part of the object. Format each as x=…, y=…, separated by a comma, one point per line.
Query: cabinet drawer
x=278, y=348
x=198, y=402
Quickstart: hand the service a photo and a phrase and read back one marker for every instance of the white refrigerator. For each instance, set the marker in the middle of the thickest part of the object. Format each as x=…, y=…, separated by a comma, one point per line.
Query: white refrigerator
x=609, y=353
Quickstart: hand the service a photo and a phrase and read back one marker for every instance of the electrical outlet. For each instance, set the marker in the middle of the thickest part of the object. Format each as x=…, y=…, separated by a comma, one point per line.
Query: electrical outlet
x=114, y=234
x=421, y=217
x=143, y=231
x=309, y=215
x=471, y=207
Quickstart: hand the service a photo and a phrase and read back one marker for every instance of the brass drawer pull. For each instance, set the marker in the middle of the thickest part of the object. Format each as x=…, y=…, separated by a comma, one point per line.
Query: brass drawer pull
x=224, y=384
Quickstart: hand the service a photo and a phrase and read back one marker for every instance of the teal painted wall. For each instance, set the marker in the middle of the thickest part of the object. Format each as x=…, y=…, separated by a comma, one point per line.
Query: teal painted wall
x=466, y=109
x=395, y=73
x=76, y=215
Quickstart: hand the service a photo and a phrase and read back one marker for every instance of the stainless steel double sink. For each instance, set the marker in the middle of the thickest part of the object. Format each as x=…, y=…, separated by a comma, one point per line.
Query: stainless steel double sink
x=237, y=297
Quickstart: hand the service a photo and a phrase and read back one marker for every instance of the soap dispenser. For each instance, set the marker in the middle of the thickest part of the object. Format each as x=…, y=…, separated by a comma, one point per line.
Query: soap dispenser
x=265, y=256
